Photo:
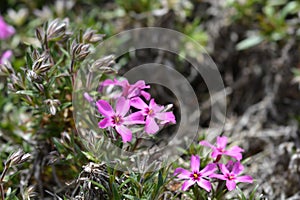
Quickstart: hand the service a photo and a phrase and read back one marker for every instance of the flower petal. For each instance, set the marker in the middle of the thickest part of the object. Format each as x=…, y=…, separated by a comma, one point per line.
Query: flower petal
x=138, y=103
x=104, y=108
x=166, y=117
x=195, y=163
x=204, y=184
x=218, y=176
x=223, y=169
x=134, y=118
x=221, y=142
x=235, y=152
x=208, y=169
x=207, y=144
x=146, y=95
x=237, y=168
x=182, y=173
x=122, y=106
x=125, y=133
x=230, y=185
x=245, y=179
x=187, y=184
x=104, y=123
x=155, y=107
x=151, y=126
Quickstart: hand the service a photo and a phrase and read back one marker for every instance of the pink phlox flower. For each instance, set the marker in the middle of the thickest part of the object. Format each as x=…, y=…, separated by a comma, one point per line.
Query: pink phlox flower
x=196, y=176
x=153, y=111
x=231, y=176
x=220, y=149
x=5, y=56
x=118, y=119
x=129, y=91
x=5, y=30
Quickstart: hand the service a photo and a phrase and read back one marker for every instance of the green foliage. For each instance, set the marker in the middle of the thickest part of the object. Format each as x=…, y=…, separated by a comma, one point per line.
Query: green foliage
x=274, y=20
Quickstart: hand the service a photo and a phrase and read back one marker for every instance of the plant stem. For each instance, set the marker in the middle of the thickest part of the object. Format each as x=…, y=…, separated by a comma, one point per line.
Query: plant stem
x=1, y=181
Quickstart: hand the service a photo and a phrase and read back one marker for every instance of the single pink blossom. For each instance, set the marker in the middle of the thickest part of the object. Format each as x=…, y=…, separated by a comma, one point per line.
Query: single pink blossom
x=118, y=119
x=231, y=176
x=5, y=56
x=196, y=176
x=128, y=91
x=5, y=30
x=152, y=112
x=219, y=149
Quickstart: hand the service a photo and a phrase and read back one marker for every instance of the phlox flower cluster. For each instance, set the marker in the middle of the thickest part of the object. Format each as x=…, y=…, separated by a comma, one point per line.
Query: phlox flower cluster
x=130, y=105
x=215, y=171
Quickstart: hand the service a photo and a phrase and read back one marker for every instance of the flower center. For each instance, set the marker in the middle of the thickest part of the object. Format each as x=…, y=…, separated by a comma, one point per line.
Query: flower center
x=195, y=176
x=117, y=119
x=149, y=112
x=230, y=176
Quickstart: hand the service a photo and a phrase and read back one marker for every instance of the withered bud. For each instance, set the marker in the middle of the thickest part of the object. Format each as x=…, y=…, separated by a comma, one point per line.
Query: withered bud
x=17, y=81
x=35, y=54
x=52, y=105
x=66, y=137
x=79, y=51
x=34, y=77
x=40, y=34
x=40, y=87
x=18, y=157
x=103, y=64
x=11, y=87
x=41, y=64
x=57, y=29
x=90, y=36
x=6, y=68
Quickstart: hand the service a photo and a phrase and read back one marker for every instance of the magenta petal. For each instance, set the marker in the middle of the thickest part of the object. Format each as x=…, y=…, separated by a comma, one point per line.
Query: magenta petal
x=218, y=176
x=138, y=103
x=125, y=133
x=244, y=179
x=146, y=95
x=122, y=106
x=134, y=118
x=230, y=185
x=215, y=153
x=166, y=117
x=108, y=82
x=104, y=123
x=237, y=168
x=207, y=144
x=155, y=107
x=204, y=184
x=151, y=126
x=223, y=169
x=182, y=173
x=104, y=108
x=5, y=30
x=235, y=152
x=221, y=142
x=195, y=163
x=5, y=56
x=208, y=169
x=187, y=184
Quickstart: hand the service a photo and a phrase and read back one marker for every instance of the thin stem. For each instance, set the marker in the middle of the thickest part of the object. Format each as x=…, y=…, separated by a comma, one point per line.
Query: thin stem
x=2, y=191
x=1, y=181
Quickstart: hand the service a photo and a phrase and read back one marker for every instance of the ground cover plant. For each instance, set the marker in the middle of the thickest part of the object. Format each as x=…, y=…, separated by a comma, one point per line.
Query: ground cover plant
x=51, y=149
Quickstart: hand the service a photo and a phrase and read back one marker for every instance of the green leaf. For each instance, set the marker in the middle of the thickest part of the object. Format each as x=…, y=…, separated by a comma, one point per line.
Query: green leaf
x=116, y=195
x=290, y=8
x=249, y=42
x=26, y=92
